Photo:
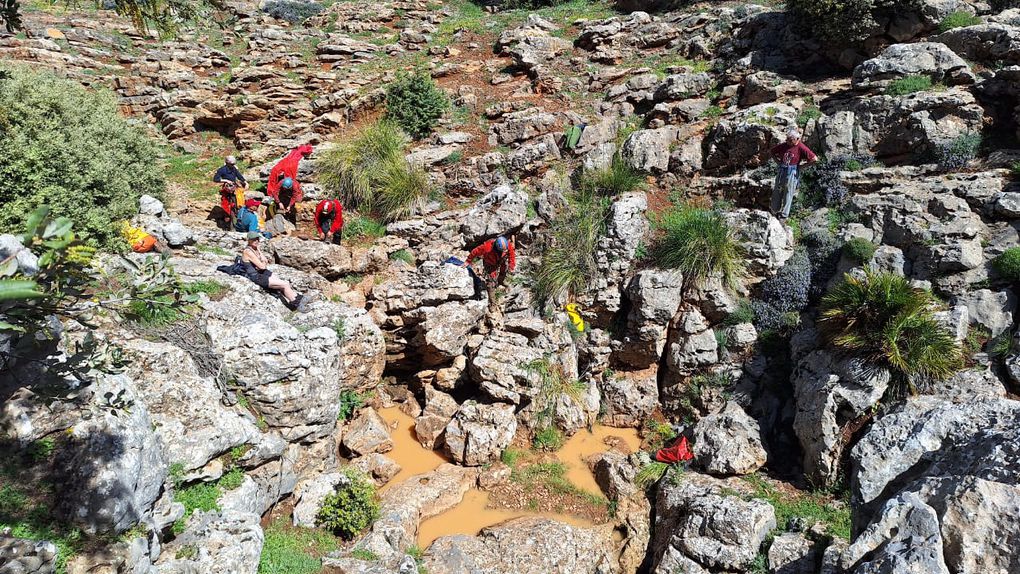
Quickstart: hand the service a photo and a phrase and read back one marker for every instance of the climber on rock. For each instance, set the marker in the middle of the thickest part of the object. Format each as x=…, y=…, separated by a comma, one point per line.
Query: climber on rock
x=283, y=185
x=256, y=266
x=498, y=259
x=789, y=155
x=329, y=219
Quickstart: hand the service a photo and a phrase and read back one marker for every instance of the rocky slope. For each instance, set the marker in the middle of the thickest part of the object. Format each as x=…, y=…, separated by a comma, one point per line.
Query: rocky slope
x=691, y=98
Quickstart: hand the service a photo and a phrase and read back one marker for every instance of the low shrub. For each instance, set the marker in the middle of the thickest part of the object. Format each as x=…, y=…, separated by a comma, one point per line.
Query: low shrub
x=956, y=154
x=834, y=21
x=293, y=11
x=908, y=85
x=883, y=320
x=859, y=250
x=824, y=181
x=958, y=20
x=361, y=227
x=699, y=243
x=785, y=292
x=350, y=401
x=1007, y=264
x=823, y=251
x=368, y=172
x=612, y=180
x=548, y=438
x=415, y=103
x=807, y=114
x=568, y=259
x=68, y=148
x=352, y=508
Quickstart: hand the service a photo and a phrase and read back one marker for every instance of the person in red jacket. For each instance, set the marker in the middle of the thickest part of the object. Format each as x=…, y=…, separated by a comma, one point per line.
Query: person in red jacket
x=329, y=219
x=283, y=185
x=788, y=156
x=498, y=258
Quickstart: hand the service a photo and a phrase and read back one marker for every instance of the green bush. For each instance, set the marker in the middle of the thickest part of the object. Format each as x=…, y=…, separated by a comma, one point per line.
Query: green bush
x=360, y=227
x=844, y=22
x=368, y=172
x=568, y=260
x=415, y=103
x=352, y=508
x=615, y=179
x=908, y=85
x=232, y=478
x=698, y=242
x=882, y=319
x=859, y=250
x=807, y=114
x=67, y=147
x=957, y=153
x=1007, y=264
x=350, y=401
x=958, y=20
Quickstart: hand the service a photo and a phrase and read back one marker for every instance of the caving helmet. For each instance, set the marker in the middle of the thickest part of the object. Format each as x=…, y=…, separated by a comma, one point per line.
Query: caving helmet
x=287, y=183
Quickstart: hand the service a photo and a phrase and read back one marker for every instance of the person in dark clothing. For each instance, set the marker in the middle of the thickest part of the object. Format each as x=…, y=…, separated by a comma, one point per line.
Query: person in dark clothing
x=789, y=155
x=229, y=172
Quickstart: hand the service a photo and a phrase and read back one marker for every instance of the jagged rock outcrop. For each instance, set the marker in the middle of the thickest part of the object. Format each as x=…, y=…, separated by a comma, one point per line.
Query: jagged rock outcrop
x=728, y=442
x=478, y=433
x=527, y=546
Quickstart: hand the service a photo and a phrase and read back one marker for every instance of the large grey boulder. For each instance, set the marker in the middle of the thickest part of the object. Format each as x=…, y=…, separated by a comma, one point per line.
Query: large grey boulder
x=930, y=59
x=830, y=392
x=648, y=150
x=227, y=541
x=984, y=42
x=432, y=283
x=11, y=247
x=743, y=140
x=793, y=553
x=531, y=545
x=628, y=398
x=148, y=205
x=521, y=126
x=440, y=333
x=699, y=521
x=326, y=259
x=654, y=296
x=439, y=409
x=949, y=472
x=22, y=556
x=691, y=344
x=728, y=442
x=367, y=433
x=478, y=433
x=767, y=243
x=501, y=211
x=114, y=465
x=993, y=310
x=185, y=405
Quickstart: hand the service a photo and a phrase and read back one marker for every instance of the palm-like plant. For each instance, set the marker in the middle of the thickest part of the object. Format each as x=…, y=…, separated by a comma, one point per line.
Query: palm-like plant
x=881, y=318
x=698, y=243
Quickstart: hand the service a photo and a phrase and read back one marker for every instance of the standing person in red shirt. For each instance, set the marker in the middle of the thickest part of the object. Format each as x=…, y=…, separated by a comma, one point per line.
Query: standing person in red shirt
x=283, y=185
x=498, y=258
x=789, y=155
x=329, y=219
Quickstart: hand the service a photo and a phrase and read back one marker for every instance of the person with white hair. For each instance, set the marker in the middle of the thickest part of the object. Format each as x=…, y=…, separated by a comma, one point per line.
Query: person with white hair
x=789, y=155
x=229, y=172
x=232, y=188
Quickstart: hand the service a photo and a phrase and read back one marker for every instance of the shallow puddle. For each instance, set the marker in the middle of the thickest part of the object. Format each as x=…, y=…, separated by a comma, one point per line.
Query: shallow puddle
x=580, y=447
x=407, y=451
x=472, y=515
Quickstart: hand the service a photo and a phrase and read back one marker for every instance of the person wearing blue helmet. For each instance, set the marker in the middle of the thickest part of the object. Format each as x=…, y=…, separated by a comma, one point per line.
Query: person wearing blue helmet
x=499, y=258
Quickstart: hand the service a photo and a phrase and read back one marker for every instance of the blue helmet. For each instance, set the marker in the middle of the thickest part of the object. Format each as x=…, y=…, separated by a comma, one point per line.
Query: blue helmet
x=287, y=183
x=501, y=244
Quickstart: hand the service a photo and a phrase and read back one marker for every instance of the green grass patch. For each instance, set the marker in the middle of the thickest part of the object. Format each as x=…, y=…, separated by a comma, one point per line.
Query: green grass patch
x=351, y=401
x=202, y=248
x=1007, y=264
x=294, y=550
x=232, y=479
x=549, y=438
x=807, y=114
x=195, y=173
x=364, y=554
x=214, y=289
x=809, y=507
x=908, y=85
x=511, y=456
x=958, y=20
x=363, y=228
x=402, y=255
x=553, y=476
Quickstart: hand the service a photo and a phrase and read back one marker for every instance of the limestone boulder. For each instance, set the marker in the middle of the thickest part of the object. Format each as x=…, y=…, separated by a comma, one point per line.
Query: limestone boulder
x=728, y=442
x=478, y=433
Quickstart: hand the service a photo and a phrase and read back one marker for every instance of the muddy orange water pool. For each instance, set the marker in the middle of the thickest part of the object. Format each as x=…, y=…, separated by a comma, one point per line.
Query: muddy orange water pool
x=473, y=514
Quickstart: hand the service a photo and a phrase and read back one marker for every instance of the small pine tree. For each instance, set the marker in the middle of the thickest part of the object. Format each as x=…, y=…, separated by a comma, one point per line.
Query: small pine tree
x=415, y=103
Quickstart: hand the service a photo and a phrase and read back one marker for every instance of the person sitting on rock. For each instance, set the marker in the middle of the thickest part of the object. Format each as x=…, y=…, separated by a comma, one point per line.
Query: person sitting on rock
x=283, y=185
x=256, y=266
x=248, y=218
x=142, y=241
x=329, y=219
x=789, y=155
x=498, y=259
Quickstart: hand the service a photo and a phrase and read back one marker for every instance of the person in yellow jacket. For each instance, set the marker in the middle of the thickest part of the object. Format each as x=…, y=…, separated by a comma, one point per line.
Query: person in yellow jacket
x=142, y=241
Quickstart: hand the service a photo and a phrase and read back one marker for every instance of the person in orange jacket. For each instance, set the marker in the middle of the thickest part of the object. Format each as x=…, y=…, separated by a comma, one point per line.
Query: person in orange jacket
x=329, y=219
x=498, y=259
